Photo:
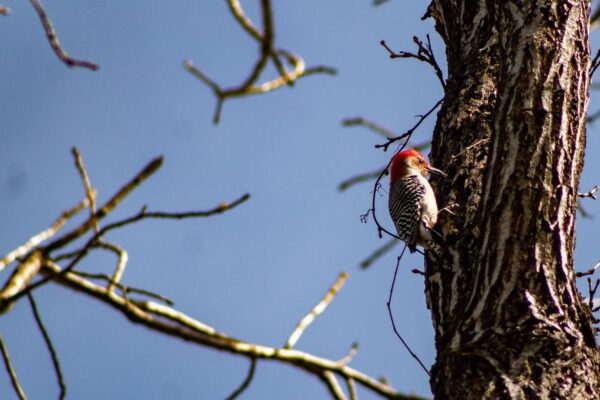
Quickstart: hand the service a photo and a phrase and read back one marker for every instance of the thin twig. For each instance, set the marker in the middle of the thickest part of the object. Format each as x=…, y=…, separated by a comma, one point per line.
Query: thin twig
x=125, y=289
x=42, y=236
x=54, y=42
x=379, y=252
x=592, y=291
x=409, y=132
x=143, y=214
x=90, y=193
x=591, y=194
x=19, y=280
x=595, y=63
x=589, y=271
x=389, y=307
x=351, y=354
x=93, y=241
x=318, y=309
x=53, y=354
x=356, y=179
x=333, y=385
x=367, y=123
x=268, y=52
x=121, y=264
x=8, y=301
x=246, y=381
x=380, y=130
x=424, y=54
x=144, y=174
x=11, y=371
x=351, y=389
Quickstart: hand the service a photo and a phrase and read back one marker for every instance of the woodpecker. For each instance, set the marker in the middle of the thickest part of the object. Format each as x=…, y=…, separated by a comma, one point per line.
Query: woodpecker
x=411, y=202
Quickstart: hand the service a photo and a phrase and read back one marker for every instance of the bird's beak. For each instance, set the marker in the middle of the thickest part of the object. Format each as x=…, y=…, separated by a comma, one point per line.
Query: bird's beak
x=436, y=171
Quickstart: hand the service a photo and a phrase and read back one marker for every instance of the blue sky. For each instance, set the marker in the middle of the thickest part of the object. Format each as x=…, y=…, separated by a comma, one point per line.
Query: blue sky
x=255, y=271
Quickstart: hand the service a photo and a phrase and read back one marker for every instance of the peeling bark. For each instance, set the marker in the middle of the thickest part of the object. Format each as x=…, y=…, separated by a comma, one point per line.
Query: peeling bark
x=509, y=320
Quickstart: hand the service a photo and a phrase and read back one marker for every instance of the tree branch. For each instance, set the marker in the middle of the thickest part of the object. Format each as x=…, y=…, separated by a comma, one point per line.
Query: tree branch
x=379, y=252
x=591, y=194
x=38, y=239
x=266, y=41
x=90, y=193
x=409, y=132
x=389, y=307
x=11, y=371
x=54, y=42
x=176, y=324
x=316, y=311
x=144, y=174
x=53, y=355
x=424, y=54
x=246, y=381
x=333, y=385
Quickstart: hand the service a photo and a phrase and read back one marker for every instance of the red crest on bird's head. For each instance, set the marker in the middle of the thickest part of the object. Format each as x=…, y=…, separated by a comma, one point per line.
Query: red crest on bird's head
x=401, y=163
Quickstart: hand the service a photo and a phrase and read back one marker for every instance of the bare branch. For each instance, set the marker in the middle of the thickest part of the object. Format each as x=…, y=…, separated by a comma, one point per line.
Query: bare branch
x=424, y=54
x=367, y=123
x=11, y=371
x=30, y=267
x=409, y=132
x=356, y=179
x=592, y=292
x=266, y=41
x=246, y=381
x=53, y=355
x=316, y=311
x=143, y=214
x=174, y=323
x=55, y=44
x=334, y=387
x=42, y=236
x=379, y=252
x=90, y=193
x=19, y=280
x=590, y=271
x=591, y=194
x=121, y=264
x=10, y=294
x=144, y=174
x=125, y=289
x=350, y=356
x=352, y=389
x=595, y=63
x=389, y=307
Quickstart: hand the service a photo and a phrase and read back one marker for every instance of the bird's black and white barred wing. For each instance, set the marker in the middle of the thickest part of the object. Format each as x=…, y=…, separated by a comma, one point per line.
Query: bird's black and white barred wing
x=405, y=204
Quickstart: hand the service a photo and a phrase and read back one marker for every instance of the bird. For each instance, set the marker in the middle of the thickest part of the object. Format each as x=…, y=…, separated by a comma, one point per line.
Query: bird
x=411, y=202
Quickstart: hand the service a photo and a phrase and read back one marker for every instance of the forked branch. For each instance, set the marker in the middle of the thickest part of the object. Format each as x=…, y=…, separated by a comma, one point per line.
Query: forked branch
x=424, y=53
x=279, y=57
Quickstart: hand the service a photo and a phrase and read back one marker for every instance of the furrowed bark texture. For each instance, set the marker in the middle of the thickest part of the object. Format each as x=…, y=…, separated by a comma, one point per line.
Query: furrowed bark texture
x=509, y=320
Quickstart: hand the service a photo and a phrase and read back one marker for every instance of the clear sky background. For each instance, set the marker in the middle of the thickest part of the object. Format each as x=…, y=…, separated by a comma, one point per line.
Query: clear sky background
x=255, y=271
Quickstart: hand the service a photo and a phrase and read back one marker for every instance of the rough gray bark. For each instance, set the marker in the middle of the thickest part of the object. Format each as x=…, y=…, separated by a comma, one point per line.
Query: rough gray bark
x=509, y=320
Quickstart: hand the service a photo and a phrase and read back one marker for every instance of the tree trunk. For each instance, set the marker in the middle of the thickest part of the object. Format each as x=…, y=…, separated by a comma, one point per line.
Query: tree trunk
x=508, y=318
